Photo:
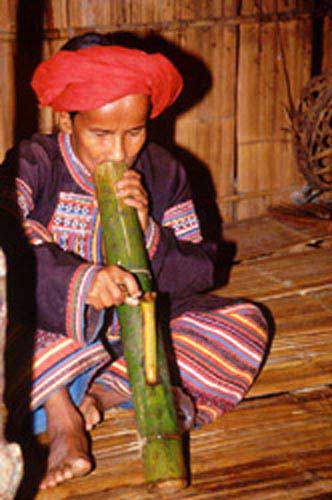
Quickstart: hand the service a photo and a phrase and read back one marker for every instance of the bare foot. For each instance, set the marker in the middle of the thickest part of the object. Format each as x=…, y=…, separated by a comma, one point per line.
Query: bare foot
x=69, y=451
x=91, y=411
x=96, y=402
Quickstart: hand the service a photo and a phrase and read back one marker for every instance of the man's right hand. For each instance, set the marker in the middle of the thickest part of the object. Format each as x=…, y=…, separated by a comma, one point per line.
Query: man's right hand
x=110, y=286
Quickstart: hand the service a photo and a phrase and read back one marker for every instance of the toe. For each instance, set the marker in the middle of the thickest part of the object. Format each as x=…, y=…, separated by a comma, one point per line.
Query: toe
x=48, y=482
x=67, y=472
x=80, y=467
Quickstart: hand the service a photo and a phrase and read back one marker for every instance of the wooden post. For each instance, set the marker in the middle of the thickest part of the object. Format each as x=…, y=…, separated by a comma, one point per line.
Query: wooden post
x=11, y=462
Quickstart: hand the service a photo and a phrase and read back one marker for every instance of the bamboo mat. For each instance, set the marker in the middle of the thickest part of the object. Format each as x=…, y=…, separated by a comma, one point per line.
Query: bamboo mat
x=286, y=274
x=301, y=351
x=278, y=443
x=275, y=448
x=266, y=235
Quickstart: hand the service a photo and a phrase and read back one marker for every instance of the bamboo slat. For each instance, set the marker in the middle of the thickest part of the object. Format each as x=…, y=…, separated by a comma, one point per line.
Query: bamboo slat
x=276, y=448
x=7, y=96
x=264, y=7
x=200, y=9
x=327, y=44
x=88, y=13
x=56, y=14
x=8, y=18
x=281, y=276
x=47, y=119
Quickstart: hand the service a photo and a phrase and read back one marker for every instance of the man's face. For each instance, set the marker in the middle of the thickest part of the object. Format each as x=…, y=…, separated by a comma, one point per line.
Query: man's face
x=116, y=131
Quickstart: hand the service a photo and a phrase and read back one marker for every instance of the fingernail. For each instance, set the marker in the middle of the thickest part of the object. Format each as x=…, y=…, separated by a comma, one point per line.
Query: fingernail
x=131, y=301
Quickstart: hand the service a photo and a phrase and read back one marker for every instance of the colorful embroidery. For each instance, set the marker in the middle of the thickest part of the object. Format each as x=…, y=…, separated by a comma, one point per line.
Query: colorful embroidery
x=75, y=226
x=183, y=220
x=152, y=238
x=77, y=170
x=36, y=232
x=24, y=196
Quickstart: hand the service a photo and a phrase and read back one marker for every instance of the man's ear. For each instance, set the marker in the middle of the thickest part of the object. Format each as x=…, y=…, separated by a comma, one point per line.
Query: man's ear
x=65, y=122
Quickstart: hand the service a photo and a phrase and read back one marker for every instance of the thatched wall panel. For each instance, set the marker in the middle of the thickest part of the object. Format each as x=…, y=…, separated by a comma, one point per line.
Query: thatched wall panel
x=269, y=55
x=207, y=129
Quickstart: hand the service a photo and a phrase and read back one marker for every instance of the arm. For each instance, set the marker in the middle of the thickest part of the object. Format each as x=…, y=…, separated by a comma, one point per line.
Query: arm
x=181, y=267
x=181, y=261
x=48, y=286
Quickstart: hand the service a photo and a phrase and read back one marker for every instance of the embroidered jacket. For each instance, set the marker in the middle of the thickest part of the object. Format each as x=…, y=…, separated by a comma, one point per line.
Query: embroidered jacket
x=49, y=193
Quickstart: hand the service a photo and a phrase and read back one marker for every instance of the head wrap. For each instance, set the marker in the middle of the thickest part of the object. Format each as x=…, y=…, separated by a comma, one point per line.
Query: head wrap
x=92, y=77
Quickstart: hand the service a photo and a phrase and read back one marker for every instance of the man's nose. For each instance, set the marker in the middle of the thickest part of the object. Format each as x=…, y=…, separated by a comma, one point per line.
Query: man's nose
x=117, y=148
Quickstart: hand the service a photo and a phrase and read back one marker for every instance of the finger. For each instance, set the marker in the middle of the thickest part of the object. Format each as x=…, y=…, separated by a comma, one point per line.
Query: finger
x=132, y=190
x=131, y=285
x=136, y=203
x=131, y=174
x=115, y=296
x=131, y=301
x=127, y=282
x=106, y=291
x=130, y=181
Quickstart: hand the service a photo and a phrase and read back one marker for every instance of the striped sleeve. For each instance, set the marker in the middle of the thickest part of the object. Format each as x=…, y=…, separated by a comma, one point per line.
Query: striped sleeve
x=183, y=220
x=152, y=237
x=16, y=196
x=79, y=325
x=17, y=200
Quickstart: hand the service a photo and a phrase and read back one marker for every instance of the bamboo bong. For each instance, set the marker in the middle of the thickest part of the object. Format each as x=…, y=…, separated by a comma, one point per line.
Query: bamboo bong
x=156, y=417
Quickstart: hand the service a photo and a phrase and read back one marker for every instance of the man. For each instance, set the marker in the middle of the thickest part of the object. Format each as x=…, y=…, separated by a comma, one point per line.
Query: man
x=105, y=96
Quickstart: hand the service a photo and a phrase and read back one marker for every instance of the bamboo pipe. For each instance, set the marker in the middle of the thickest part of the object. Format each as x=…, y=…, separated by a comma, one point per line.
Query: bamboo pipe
x=156, y=418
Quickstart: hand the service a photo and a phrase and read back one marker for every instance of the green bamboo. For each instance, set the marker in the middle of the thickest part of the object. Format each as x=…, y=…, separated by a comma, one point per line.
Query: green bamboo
x=162, y=447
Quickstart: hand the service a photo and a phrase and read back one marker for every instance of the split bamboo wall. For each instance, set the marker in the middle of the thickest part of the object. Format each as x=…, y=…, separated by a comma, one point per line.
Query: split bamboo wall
x=251, y=56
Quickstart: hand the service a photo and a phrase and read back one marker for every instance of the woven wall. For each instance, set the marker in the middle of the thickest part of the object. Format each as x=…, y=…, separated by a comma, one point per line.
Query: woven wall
x=236, y=56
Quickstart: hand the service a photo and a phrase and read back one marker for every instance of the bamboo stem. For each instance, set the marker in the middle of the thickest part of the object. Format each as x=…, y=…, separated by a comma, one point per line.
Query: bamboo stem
x=152, y=395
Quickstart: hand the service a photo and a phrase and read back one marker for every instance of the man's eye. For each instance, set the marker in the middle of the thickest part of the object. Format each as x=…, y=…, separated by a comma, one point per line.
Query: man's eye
x=135, y=132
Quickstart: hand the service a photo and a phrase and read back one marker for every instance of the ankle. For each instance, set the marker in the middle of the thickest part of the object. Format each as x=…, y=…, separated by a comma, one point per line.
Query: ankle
x=62, y=415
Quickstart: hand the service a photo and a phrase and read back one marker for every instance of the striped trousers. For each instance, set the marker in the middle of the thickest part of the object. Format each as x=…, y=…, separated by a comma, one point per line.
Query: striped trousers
x=218, y=354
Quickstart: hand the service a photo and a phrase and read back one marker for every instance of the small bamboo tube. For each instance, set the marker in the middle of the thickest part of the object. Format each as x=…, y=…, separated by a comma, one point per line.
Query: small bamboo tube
x=150, y=338
x=156, y=418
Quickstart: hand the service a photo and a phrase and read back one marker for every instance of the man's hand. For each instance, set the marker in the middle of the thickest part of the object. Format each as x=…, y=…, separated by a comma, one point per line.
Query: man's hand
x=111, y=286
x=130, y=188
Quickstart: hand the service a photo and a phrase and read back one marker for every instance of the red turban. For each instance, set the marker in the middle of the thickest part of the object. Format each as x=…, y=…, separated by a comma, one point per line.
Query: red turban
x=92, y=77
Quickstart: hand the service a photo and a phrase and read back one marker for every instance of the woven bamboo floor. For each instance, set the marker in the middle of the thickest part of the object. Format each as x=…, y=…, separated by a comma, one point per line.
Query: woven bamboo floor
x=278, y=443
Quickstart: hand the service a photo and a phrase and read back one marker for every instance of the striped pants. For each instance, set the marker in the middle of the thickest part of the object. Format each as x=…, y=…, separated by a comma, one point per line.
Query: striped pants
x=218, y=354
